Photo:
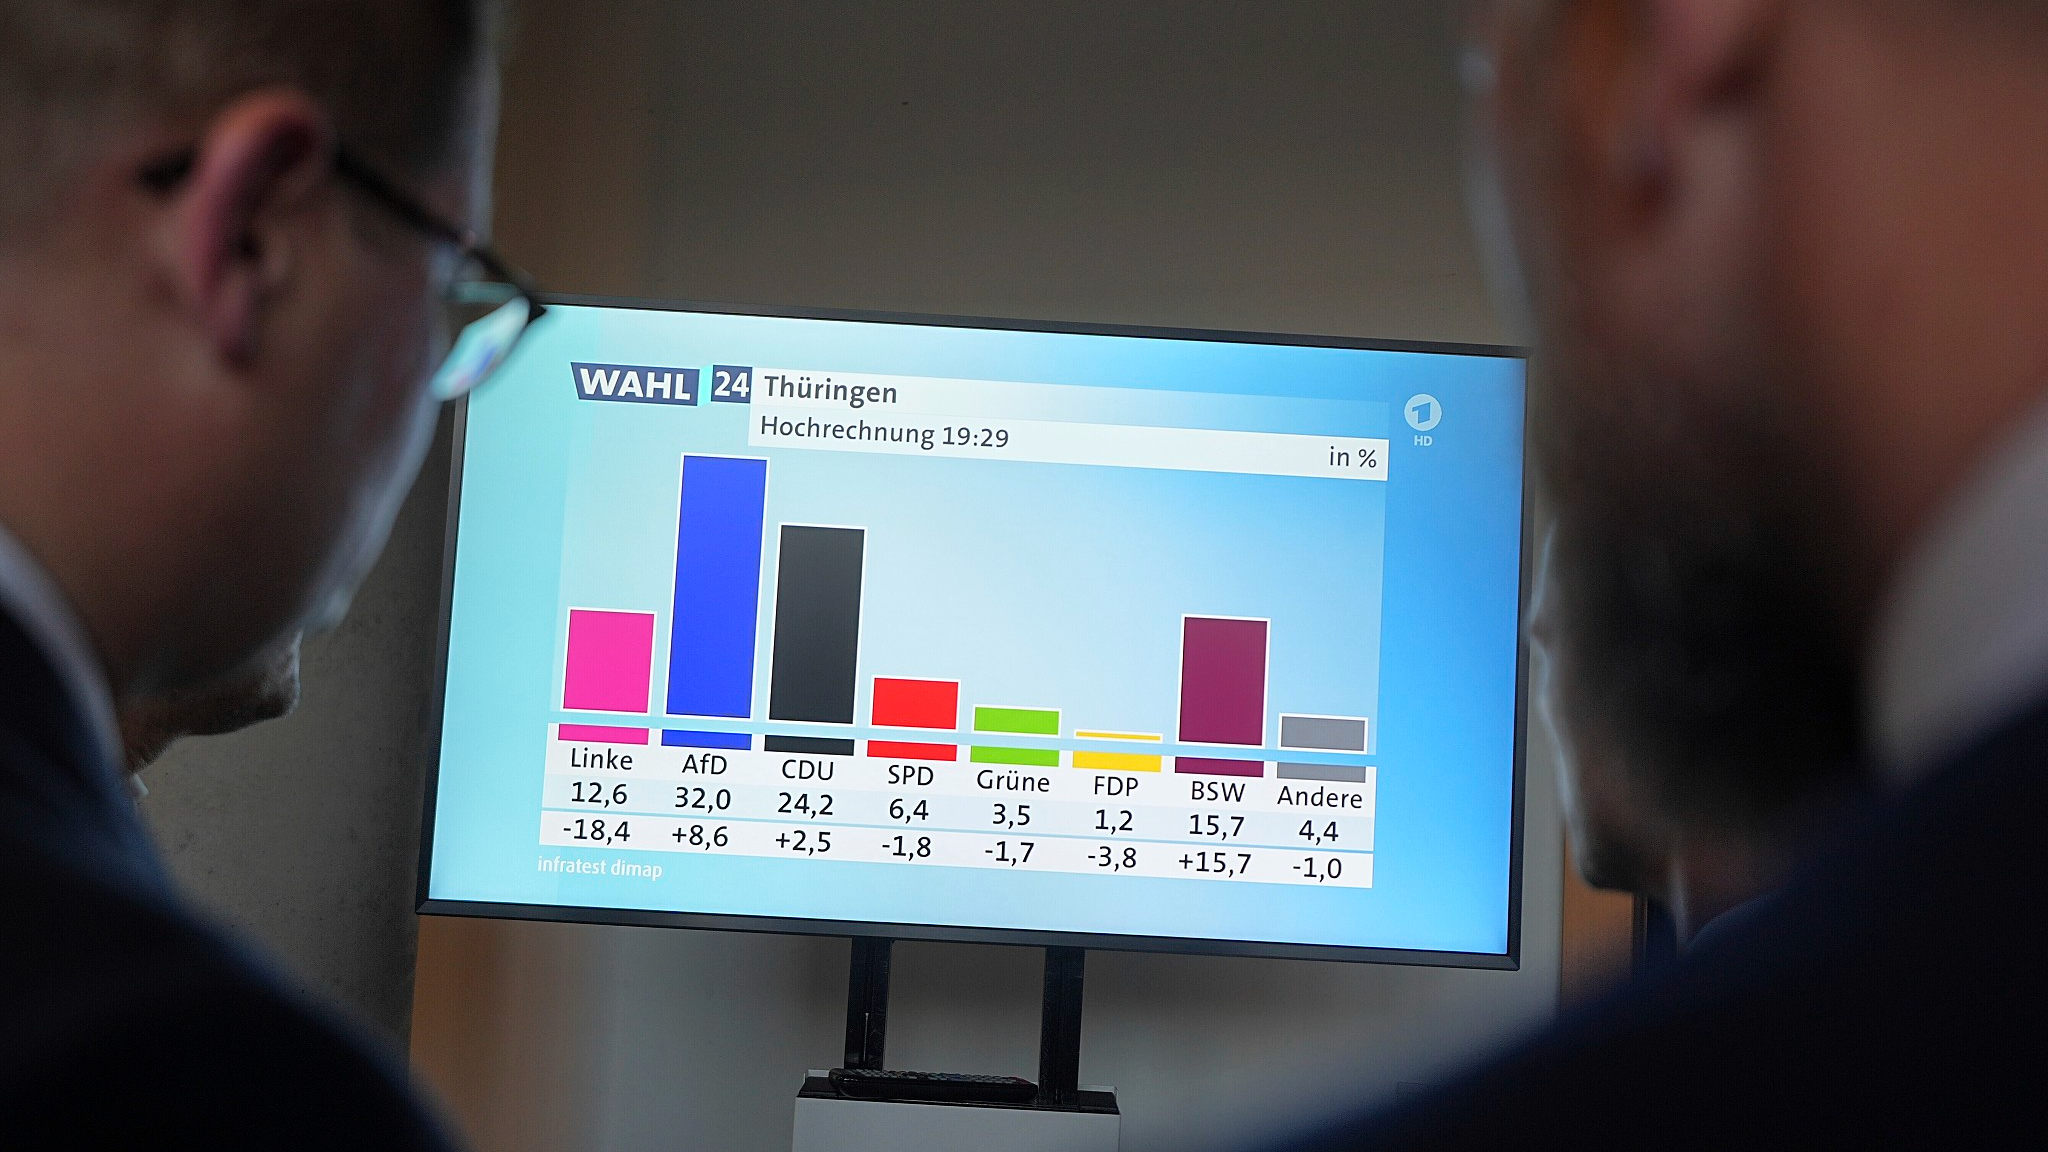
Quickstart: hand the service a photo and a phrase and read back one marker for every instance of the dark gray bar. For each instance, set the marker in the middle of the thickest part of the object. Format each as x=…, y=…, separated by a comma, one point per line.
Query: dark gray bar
x=1323, y=733
x=811, y=745
x=1336, y=773
x=817, y=627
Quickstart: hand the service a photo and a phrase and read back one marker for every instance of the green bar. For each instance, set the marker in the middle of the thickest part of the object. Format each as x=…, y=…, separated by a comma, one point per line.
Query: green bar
x=1025, y=757
x=1018, y=721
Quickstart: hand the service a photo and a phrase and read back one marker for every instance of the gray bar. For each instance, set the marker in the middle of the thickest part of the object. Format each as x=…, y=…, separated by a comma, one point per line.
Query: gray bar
x=1337, y=773
x=817, y=626
x=813, y=745
x=1323, y=733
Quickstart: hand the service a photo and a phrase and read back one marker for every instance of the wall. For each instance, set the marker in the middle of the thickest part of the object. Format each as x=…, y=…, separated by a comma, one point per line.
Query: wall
x=1278, y=166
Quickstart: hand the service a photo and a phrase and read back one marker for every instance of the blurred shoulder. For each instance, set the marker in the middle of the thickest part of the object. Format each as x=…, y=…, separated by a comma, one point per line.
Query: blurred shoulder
x=128, y=1018
x=1887, y=997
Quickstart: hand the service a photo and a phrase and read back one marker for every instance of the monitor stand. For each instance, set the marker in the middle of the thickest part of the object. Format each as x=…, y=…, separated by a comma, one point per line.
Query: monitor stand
x=989, y=1114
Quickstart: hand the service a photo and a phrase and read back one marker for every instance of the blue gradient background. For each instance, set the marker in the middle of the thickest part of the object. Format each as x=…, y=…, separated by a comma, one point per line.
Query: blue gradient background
x=1038, y=585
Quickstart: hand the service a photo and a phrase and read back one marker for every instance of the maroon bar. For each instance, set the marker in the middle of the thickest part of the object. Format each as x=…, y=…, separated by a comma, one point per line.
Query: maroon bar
x=1207, y=766
x=1222, y=681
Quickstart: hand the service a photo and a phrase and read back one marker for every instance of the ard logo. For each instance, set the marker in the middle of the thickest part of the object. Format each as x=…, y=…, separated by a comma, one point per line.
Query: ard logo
x=635, y=383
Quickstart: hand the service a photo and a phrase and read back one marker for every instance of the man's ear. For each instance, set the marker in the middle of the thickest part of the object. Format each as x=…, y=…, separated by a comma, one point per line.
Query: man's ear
x=1693, y=59
x=239, y=219
x=1636, y=78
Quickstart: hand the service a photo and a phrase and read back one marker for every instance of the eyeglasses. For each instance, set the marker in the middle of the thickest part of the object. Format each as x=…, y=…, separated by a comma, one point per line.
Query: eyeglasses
x=490, y=303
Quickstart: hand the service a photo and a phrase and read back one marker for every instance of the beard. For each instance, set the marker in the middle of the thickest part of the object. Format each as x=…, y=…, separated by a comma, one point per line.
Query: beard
x=1692, y=562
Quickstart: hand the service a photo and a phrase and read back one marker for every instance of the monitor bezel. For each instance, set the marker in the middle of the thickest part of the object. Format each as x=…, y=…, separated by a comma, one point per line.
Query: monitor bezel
x=1508, y=960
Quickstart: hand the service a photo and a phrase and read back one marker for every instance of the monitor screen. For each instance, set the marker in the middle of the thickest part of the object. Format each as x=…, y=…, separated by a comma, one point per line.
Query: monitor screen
x=976, y=630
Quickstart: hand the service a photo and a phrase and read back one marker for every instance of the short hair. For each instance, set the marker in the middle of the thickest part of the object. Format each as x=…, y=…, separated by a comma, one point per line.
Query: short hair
x=74, y=73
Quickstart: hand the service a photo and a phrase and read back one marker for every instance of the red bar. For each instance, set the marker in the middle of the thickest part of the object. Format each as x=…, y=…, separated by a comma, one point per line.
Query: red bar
x=900, y=703
x=907, y=750
x=602, y=734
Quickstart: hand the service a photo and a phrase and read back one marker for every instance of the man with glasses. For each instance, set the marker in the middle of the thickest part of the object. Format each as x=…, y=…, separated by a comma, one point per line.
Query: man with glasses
x=236, y=246
x=1787, y=264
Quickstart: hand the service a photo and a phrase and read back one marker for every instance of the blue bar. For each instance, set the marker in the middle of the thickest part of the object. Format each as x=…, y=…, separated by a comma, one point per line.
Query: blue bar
x=738, y=741
x=717, y=606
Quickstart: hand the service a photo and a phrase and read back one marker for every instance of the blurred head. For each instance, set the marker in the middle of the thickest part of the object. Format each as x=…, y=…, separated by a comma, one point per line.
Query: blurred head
x=213, y=348
x=1768, y=342
x=265, y=690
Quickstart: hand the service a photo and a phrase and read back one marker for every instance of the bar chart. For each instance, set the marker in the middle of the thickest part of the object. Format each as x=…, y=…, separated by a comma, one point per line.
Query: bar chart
x=984, y=781
x=954, y=628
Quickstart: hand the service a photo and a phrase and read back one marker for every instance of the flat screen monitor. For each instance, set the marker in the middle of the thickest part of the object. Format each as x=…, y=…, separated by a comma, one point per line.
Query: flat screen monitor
x=962, y=629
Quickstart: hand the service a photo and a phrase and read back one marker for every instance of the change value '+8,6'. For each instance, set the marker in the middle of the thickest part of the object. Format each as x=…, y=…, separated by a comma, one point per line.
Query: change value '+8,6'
x=873, y=810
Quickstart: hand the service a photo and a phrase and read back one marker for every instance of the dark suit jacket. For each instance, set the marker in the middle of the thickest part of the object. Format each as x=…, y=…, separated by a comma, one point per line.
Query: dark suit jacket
x=1894, y=995
x=124, y=1022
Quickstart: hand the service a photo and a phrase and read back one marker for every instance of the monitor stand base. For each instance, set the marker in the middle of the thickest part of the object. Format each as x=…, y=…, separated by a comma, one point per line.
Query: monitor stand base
x=1062, y=1114
x=829, y=1122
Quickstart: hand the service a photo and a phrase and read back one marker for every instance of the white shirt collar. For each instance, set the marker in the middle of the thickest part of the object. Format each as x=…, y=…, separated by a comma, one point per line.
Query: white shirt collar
x=1962, y=642
x=46, y=614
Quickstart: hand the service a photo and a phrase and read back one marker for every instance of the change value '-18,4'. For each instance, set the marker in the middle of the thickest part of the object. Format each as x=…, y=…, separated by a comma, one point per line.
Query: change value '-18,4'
x=599, y=830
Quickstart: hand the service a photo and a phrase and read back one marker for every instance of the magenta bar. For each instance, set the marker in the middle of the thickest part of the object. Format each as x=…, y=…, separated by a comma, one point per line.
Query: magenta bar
x=1205, y=766
x=1223, y=680
x=601, y=734
x=610, y=661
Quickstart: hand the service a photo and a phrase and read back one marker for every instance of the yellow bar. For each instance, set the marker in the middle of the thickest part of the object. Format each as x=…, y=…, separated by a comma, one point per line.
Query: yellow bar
x=1151, y=736
x=1117, y=761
